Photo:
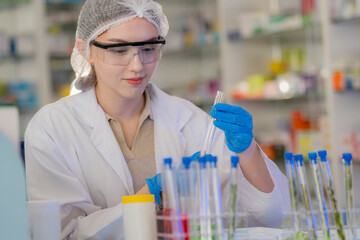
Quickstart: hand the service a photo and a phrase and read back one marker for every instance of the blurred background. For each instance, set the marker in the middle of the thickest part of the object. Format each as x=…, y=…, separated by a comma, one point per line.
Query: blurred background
x=293, y=64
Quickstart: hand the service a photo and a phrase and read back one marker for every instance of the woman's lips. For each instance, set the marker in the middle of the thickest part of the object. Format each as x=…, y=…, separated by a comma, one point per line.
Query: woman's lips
x=134, y=81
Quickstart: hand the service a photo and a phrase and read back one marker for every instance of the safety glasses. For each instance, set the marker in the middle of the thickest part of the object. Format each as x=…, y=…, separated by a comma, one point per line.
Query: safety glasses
x=121, y=54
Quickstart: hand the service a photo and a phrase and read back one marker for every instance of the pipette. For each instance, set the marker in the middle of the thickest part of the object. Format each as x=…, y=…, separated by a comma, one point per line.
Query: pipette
x=205, y=149
x=233, y=195
x=319, y=194
x=290, y=172
x=329, y=187
x=301, y=173
x=349, y=192
x=216, y=192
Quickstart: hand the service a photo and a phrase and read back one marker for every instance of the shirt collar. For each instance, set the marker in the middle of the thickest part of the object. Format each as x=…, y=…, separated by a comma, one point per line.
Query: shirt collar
x=145, y=113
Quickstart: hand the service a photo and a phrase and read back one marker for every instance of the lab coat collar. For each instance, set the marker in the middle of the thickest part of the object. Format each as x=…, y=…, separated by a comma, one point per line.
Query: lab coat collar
x=88, y=111
x=169, y=119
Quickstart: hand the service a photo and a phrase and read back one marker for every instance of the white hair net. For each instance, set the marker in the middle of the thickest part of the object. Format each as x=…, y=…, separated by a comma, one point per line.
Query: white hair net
x=97, y=16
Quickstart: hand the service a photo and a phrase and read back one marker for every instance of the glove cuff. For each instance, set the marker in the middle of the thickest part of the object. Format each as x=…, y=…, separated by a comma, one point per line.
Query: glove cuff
x=154, y=189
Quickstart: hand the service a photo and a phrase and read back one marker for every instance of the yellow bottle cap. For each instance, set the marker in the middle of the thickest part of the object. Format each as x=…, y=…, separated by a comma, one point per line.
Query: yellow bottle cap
x=138, y=198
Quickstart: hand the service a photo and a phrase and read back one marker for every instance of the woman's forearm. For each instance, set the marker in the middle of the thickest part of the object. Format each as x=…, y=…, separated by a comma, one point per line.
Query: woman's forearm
x=255, y=169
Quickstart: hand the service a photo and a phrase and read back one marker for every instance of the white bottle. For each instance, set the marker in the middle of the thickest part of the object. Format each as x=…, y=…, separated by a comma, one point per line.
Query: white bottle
x=139, y=217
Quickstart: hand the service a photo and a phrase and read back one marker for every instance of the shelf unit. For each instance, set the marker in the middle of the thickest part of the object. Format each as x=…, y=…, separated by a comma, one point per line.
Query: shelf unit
x=24, y=20
x=326, y=41
x=190, y=66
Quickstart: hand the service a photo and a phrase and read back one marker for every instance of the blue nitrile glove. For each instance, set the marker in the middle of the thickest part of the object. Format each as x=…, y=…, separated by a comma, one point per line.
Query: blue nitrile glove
x=196, y=156
x=237, y=124
x=154, y=185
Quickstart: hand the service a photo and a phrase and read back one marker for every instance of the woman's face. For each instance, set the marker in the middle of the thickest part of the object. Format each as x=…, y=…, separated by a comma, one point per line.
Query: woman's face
x=127, y=82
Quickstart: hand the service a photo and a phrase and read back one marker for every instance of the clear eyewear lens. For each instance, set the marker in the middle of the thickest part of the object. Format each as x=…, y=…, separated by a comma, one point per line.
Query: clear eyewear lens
x=122, y=56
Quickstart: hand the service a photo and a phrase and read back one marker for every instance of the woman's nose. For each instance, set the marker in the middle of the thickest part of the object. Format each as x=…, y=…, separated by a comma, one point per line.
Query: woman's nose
x=135, y=63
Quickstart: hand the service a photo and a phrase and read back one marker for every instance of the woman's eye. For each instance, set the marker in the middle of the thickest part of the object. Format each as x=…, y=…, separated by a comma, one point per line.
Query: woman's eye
x=148, y=49
x=119, y=51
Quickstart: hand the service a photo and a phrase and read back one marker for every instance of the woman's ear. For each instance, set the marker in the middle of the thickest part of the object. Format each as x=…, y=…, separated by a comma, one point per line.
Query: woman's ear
x=81, y=46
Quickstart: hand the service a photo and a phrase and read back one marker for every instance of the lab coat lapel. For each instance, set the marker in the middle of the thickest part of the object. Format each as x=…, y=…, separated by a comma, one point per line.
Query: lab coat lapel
x=169, y=119
x=104, y=139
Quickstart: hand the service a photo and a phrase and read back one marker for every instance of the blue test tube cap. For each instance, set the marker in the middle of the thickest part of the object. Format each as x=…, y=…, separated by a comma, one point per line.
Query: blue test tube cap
x=202, y=162
x=322, y=155
x=186, y=161
x=167, y=161
x=288, y=156
x=213, y=160
x=347, y=158
x=299, y=158
x=234, y=161
x=312, y=157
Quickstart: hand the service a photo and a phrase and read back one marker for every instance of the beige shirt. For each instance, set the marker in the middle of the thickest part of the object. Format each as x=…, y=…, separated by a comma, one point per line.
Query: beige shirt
x=141, y=157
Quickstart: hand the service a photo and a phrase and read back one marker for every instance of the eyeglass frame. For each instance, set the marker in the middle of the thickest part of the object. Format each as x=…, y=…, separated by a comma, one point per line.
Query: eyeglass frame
x=160, y=40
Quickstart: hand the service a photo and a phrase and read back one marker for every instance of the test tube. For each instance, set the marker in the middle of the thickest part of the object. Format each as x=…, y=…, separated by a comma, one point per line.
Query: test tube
x=205, y=217
x=329, y=187
x=184, y=185
x=233, y=193
x=216, y=192
x=304, y=189
x=171, y=202
x=349, y=192
x=319, y=194
x=211, y=129
x=290, y=172
x=194, y=204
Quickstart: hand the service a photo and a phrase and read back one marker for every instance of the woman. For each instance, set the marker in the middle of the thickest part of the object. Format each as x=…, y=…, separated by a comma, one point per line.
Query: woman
x=90, y=149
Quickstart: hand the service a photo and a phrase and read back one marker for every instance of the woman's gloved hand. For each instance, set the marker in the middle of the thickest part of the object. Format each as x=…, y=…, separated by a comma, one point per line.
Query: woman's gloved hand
x=196, y=156
x=154, y=185
x=237, y=124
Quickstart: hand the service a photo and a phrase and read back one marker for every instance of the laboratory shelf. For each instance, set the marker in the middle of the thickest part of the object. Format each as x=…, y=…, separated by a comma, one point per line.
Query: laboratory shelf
x=5, y=5
x=288, y=34
x=354, y=19
x=16, y=58
x=195, y=51
x=295, y=97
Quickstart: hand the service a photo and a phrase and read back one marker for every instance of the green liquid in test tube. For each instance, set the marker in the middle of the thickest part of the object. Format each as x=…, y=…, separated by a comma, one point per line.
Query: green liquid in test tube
x=319, y=194
x=233, y=195
x=329, y=187
x=305, y=193
x=205, y=215
x=349, y=192
x=289, y=163
x=216, y=196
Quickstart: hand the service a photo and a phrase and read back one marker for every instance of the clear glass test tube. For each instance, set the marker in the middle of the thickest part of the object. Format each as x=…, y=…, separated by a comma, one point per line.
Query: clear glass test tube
x=349, y=192
x=171, y=199
x=319, y=194
x=329, y=187
x=205, y=215
x=304, y=189
x=233, y=195
x=216, y=197
x=211, y=128
x=291, y=175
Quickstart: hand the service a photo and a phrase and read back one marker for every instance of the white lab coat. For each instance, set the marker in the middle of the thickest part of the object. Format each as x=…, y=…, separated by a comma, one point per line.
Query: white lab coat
x=72, y=156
